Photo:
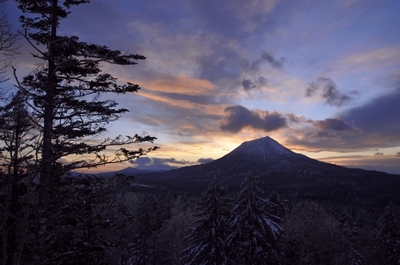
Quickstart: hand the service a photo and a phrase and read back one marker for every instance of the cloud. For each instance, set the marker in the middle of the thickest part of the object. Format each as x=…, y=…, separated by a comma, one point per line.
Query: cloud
x=173, y=113
x=325, y=134
x=247, y=84
x=335, y=124
x=204, y=160
x=196, y=99
x=391, y=80
x=330, y=93
x=397, y=154
x=379, y=117
x=232, y=19
x=331, y=133
x=373, y=125
x=222, y=62
x=263, y=81
x=238, y=117
x=251, y=84
x=147, y=163
x=378, y=154
x=371, y=59
x=267, y=57
x=223, y=27
x=181, y=85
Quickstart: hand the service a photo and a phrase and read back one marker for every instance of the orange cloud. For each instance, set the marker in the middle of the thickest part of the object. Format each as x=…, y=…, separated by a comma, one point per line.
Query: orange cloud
x=208, y=109
x=181, y=85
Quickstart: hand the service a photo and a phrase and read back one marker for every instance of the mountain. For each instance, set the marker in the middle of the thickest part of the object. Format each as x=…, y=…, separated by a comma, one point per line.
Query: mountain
x=291, y=174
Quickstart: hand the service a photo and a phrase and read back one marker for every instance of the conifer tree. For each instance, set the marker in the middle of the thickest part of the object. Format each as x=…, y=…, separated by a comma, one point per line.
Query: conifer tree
x=17, y=142
x=67, y=93
x=387, y=241
x=207, y=238
x=253, y=230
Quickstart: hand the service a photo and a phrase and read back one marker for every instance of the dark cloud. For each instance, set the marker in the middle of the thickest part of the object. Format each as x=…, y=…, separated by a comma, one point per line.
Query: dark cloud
x=204, y=160
x=238, y=117
x=335, y=124
x=379, y=118
x=330, y=93
x=247, y=84
x=373, y=125
x=398, y=154
x=334, y=128
x=378, y=154
x=267, y=57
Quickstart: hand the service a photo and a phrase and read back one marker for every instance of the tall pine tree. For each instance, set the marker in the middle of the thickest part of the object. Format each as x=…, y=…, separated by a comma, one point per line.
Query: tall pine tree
x=253, y=230
x=207, y=238
x=65, y=95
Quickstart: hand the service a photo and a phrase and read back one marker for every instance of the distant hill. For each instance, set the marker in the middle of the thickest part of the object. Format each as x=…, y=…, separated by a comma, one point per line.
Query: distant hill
x=291, y=174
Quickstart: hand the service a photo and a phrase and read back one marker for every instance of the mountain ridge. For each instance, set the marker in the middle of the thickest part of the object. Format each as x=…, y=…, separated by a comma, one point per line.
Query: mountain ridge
x=291, y=174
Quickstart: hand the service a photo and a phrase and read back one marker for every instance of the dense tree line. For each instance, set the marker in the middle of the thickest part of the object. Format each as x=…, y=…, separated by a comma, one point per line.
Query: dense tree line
x=97, y=220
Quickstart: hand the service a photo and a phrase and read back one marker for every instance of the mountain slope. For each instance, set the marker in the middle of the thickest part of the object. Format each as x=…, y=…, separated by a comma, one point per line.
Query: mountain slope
x=291, y=174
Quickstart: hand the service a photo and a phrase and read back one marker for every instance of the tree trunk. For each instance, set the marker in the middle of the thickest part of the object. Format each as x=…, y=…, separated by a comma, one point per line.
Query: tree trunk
x=47, y=148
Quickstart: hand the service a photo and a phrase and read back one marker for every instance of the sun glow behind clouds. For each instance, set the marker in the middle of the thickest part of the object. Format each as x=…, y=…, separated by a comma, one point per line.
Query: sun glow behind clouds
x=204, y=57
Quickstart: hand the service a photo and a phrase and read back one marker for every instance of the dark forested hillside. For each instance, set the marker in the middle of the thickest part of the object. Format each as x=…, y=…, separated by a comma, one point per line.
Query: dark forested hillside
x=293, y=175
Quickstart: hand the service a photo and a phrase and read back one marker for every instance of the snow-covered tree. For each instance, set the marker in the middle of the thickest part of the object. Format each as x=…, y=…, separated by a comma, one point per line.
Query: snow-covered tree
x=253, y=230
x=387, y=240
x=311, y=235
x=207, y=238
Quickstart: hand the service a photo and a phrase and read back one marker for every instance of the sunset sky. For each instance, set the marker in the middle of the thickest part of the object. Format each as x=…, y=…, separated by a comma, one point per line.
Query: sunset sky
x=320, y=77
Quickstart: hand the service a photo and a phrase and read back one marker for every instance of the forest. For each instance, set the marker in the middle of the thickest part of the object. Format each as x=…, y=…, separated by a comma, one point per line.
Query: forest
x=50, y=216
x=115, y=220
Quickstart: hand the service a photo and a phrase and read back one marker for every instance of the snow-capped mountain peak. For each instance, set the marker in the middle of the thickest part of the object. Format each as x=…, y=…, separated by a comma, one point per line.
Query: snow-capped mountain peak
x=265, y=147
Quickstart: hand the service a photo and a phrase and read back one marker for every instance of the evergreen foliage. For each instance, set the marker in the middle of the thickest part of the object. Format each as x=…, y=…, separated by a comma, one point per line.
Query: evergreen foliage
x=67, y=94
x=17, y=150
x=253, y=230
x=207, y=238
x=387, y=239
x=147, y=220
